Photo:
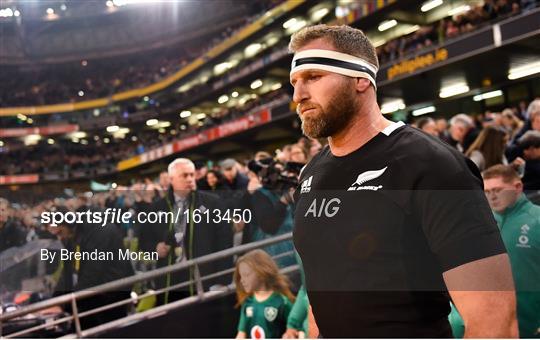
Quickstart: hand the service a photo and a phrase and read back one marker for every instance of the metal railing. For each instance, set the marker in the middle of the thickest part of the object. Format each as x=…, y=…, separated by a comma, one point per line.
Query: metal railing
x=200, y=295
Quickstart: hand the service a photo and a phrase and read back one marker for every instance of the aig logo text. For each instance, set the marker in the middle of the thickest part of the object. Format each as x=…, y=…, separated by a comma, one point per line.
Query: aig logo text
x=329, y=208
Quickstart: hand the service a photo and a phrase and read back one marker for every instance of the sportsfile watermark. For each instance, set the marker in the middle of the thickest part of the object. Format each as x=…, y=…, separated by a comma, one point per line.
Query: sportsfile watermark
x=122, y=216
x=402, y=240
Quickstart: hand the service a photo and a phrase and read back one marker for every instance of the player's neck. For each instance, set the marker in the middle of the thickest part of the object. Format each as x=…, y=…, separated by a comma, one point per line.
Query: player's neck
x=365, y=125
x=262, y=294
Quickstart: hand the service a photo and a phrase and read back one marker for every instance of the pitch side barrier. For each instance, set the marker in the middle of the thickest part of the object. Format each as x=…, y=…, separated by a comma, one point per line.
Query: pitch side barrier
x=201, y=295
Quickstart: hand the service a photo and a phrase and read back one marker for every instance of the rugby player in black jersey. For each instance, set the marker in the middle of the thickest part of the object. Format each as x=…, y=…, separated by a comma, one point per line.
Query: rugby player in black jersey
x=391, y=223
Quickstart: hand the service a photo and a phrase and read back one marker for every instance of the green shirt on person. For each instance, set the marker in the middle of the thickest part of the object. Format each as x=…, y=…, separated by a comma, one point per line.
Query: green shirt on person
x=519, y=225
x=298, y=318
x=265, y=319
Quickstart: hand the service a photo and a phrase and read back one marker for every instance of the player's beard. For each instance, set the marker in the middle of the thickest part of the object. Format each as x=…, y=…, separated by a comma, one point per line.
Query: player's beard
x=333, y=118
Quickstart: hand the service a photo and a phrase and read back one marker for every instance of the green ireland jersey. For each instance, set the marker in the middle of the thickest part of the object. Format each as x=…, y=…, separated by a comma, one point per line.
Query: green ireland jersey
x=265, y=319
x=520, y=231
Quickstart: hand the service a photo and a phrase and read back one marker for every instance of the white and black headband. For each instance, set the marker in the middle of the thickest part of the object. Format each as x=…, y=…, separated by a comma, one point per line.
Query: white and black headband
x=337, y=62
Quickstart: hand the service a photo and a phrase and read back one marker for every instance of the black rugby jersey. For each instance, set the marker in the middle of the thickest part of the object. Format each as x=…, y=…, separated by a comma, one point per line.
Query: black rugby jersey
x=377, y=228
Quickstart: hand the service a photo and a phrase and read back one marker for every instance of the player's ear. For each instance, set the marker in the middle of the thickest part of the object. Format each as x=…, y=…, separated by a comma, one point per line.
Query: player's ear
x=519, y=186
x=362, y=84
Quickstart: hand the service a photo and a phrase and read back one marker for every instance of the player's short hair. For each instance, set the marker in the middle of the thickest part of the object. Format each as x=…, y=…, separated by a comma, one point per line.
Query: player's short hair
x=506, y=172
x=170, y=168
x=344, y=38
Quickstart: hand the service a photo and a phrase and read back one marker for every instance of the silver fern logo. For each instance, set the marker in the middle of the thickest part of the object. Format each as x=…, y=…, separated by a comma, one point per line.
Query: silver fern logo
x=365, y=177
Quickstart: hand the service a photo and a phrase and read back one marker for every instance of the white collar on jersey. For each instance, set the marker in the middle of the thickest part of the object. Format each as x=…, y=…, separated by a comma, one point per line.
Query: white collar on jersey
x=392, y=127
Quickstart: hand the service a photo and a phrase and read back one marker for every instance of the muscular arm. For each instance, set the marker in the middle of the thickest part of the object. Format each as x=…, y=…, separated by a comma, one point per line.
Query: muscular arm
x=483, y=292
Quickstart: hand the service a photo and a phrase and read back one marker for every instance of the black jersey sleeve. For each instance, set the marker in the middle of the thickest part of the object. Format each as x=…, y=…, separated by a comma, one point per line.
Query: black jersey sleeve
x=456, y=219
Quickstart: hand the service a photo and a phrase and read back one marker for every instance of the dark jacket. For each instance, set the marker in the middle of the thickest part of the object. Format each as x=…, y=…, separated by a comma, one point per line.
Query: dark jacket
x=93, y=273
x=12, y=234
x=531, y=178
x=201, y=238
x=240, y=182
x=469, y=138
x=148, y=234
x=90, y=273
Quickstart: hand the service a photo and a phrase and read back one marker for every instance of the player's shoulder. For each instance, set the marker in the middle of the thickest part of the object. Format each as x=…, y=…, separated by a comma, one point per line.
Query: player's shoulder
x=425, y=159
x=308, y=168
x=417, y=142
x=533, y=212
x=421, y=149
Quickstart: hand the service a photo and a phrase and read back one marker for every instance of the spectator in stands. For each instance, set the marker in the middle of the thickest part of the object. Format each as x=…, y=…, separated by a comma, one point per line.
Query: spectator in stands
x=147, y=233
x=533, y=123
x=63, y=158
x=442, y=129
x=463, y=131
x=488, y=149
x=185, y=240
x=298, y=154
x=534, y=114
x=522, y=111
x=260, y=155
x=271, y=206
x=428, y=125
x=233, y=178
x=90, y=273
x=30, y=223
x=452, y=30
x=530, y=144
x=164, y=183
x=533, y=120
x=528, y=4
x=12, y=234
x=284, y=155
x=264, y=296
x=511, y=122
x=519, y=222
x=201, y=170
x=449, y=27
x=214, y=181
x=490, y=9
x=504, y=7
x=314, y=147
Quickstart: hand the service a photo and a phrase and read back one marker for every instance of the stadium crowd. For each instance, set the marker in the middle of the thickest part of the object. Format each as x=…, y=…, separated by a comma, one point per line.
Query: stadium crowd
x=462, y=131
x=101, y=78
x=452, y=27
x=227, y=185
x=488, y=140
x=508, y=137
x=264, y=185
x=53, y=84
x=66, y=156
x=24, y=160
